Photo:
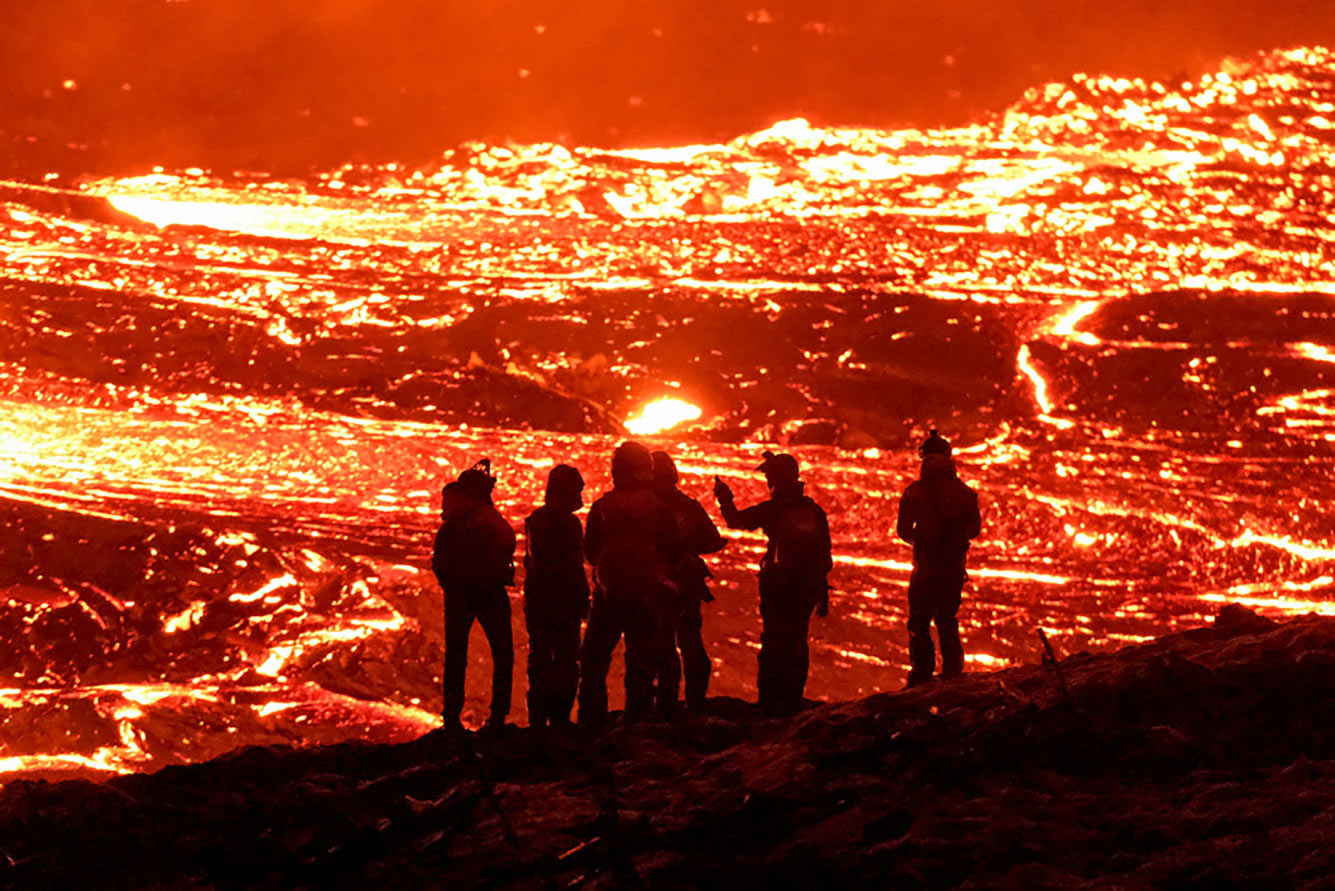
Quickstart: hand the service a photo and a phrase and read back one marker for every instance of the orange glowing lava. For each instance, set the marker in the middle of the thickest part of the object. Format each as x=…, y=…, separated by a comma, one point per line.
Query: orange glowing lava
x=224, y=435
x=662, y=415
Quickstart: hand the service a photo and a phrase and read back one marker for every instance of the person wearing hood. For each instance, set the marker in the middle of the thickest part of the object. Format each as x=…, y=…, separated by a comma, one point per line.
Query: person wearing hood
x=938, y=516
x=793, y=577
x=631, y=541
x=473, y=560
x=556, y=598
x=698, y=535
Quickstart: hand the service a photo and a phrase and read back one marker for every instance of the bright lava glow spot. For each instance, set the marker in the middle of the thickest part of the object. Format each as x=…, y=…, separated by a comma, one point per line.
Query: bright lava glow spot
x=251, y=219
x=663, y=414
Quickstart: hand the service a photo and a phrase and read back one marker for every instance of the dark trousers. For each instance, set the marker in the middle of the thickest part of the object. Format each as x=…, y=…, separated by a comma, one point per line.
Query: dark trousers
x=642, y=613
x=491, y=608
x=785, y=614
x=695, y=664
x=934, y=596
x=553, y=666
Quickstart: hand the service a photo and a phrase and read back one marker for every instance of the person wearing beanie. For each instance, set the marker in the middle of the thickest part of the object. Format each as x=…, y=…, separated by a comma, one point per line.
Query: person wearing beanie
x=698, y=535
x=473, y=560
x=793, y=577
x=938, y=516
x=631, y=541
x=556, y=598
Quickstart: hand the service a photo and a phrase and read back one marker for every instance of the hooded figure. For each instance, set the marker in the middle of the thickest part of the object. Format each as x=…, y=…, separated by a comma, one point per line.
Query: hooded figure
x=698, y=535
x=556, y=598
x=473, y=560
x=793, y=577
x=938, y=515
x=632, y=543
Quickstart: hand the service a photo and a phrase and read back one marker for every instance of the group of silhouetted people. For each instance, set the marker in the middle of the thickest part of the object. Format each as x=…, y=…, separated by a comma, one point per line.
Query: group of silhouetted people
x=645, y=540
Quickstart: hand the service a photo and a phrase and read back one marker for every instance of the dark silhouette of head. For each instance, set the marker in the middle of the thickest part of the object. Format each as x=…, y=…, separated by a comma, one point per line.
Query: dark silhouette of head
x=565, y=488
x=632, y=465
x=665, y=471
x=934, y=444
x=781, y=471
x=477, y=481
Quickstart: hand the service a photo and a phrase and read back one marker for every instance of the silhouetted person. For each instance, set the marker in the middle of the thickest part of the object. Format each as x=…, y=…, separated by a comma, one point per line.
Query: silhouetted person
x=697, y=535
x=556, y=598
x=938, y=515
x=793, y=577
x=631, y=541
x=474, y=562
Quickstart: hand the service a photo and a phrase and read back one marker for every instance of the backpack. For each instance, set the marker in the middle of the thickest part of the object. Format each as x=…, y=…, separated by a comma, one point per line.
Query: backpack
x=802, y=540
x=465, y=552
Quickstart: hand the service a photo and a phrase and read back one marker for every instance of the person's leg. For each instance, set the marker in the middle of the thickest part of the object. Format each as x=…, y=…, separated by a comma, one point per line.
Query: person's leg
x=458, y=622
x=539, y=665
x=665, y=606
x=922, y=655
x=768, y=659
x=799, y=628
x=595, y=658
x=564, y=678
x=948, y=629
x=787, y=622
x=642, y=658
x=695, y=664
x=493, y=611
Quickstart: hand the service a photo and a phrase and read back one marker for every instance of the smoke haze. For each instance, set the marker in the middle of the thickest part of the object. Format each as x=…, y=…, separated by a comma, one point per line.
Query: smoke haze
x=290, y=86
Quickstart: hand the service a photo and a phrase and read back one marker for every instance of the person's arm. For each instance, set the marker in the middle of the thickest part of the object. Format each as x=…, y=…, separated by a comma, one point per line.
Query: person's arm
x=827, y=546
x=906, y=525
x=593, y=534
x=823, y=605
x=438, y=555
x=505, y=544
x=570, y=543
x=975, y=525
x=750, y=519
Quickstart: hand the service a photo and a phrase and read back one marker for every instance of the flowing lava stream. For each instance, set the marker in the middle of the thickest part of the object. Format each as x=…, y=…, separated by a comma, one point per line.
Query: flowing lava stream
x=230, y=404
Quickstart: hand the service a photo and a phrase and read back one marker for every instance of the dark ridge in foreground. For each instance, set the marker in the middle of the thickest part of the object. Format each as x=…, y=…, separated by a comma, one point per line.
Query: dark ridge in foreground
x=1207, y=757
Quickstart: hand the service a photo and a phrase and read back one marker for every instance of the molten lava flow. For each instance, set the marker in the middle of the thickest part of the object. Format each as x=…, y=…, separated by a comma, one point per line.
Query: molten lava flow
x=224, y=438
x=662, y=414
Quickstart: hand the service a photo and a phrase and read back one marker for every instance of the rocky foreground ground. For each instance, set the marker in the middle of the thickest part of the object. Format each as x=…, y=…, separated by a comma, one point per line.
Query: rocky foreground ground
x=1204, y=758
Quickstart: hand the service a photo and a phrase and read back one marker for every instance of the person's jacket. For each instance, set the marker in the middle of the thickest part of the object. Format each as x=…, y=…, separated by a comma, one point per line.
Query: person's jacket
x=797, y=532
x=554, y=578
x=475, y=546
x=939, y=516
x=631, y=538
x=697, y=535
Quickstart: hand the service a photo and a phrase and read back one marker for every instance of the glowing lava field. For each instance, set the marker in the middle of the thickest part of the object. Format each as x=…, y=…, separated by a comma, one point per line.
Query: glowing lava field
x=230, y=401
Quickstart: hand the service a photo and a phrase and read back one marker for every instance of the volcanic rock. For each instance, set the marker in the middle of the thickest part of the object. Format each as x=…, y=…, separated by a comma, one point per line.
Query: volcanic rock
x=1205, y=757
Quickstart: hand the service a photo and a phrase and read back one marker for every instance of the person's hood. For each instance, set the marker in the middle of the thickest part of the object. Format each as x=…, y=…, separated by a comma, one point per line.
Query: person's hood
x=455, y=499
x=632, y=466
x=565, y=488
x=938, y=467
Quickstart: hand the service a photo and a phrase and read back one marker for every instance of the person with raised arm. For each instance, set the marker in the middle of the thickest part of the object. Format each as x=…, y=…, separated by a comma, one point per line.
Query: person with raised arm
x=794, y=576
